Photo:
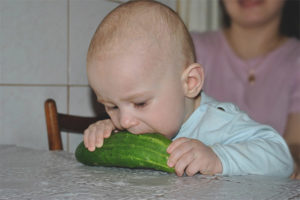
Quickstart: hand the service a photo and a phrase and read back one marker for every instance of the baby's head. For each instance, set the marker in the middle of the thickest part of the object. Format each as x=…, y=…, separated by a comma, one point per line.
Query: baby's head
x=140, y=64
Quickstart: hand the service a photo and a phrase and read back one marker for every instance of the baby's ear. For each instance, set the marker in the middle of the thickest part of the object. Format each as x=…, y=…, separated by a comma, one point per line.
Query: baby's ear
x=192, y=80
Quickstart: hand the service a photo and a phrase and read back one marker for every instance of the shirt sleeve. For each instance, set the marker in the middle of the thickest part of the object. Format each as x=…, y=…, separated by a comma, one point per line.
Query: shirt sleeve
x=252, y=148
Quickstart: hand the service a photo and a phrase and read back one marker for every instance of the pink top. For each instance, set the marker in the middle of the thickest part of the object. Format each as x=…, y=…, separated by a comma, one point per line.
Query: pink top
x=276, y=91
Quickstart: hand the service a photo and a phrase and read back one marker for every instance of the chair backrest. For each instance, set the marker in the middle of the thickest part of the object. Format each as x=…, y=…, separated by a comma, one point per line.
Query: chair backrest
x=57, y=122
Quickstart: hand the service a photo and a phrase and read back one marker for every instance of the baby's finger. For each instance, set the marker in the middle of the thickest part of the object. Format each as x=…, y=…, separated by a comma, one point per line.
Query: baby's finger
x=178, y=153
x=176, y=143
x=92, y=139
x=193, y=168
x=99, y=136
x=107, y=132
x=183, y=162
x=109, y=127
x=86, y=137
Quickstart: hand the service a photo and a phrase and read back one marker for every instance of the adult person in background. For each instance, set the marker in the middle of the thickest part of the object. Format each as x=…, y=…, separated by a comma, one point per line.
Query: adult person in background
x=254, y=62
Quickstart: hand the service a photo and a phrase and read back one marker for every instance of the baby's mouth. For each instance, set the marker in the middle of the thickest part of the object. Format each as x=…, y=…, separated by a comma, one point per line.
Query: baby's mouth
x=137, y=132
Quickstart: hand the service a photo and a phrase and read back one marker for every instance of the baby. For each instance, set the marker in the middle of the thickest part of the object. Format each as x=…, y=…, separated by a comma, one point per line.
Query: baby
x=141, y=65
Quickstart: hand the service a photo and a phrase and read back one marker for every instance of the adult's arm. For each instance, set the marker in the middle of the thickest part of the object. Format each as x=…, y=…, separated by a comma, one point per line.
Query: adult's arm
x=292, y=137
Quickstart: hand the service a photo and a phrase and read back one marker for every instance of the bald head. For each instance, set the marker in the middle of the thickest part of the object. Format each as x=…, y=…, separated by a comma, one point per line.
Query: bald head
x=148, y=23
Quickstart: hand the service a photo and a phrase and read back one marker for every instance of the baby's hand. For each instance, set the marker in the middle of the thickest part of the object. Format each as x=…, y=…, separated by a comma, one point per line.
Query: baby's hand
x=193, y=156
x=95, y=134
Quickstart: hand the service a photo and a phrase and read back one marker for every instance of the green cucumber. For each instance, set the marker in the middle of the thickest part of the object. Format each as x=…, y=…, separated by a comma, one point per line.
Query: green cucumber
x=124, y=149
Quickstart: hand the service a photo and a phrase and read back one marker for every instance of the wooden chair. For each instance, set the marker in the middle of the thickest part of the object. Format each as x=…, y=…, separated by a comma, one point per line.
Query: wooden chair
x=57, y=122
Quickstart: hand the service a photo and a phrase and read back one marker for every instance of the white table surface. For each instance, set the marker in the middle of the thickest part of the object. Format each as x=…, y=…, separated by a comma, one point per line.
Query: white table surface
x=39, y=174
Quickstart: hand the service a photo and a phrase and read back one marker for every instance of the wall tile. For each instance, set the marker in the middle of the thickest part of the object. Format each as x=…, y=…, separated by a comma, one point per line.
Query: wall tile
x=82, y=102
x=85, y=15
x=22, y=114
x=33, y=41
x=170, y=3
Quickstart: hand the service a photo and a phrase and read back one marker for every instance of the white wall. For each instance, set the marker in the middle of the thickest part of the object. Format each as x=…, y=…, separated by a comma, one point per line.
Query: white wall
x=199, y=15
x=42, y=54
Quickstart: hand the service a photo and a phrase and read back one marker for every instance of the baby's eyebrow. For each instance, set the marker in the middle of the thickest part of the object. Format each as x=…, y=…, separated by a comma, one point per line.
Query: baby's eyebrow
x=134, y=96
x=99, y=99
x=105, y=102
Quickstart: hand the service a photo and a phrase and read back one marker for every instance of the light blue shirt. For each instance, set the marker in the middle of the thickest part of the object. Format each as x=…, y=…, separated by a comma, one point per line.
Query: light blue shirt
x=243, y=145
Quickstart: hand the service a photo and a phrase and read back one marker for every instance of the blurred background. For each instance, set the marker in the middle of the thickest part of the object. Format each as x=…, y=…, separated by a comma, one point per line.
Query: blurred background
x=43, y=44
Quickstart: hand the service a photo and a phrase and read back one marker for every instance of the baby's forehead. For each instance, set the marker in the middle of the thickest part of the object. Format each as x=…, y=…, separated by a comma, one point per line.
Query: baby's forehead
x=141, y=37
x=124, y=73
x=137, y=59
x=134, y=20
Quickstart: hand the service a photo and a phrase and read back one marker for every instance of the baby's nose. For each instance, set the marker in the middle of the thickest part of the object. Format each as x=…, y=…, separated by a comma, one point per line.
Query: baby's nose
x=128, y=121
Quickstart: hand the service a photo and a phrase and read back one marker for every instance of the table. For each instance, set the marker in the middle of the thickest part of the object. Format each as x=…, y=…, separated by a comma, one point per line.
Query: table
x=40, y=174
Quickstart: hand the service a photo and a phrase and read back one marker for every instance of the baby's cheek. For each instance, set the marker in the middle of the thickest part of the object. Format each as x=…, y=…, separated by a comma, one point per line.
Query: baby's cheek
x=168, y=128
x=173, y=124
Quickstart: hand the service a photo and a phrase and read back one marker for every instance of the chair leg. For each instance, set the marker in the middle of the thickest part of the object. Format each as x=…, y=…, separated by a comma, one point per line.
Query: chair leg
x=54, y=136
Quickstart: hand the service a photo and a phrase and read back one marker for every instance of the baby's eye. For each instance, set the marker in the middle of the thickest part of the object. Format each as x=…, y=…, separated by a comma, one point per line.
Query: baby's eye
x=140, y=105
x=111, y=107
